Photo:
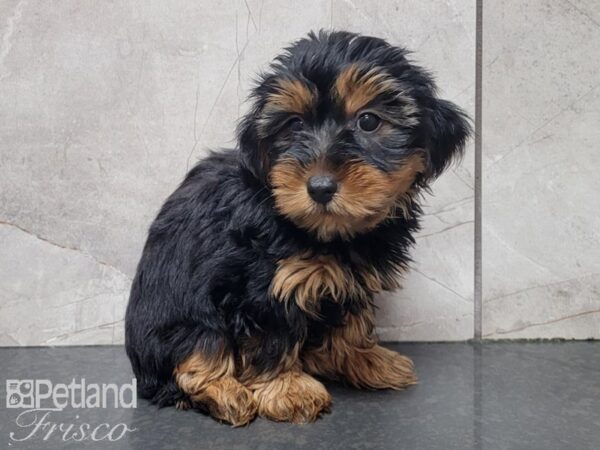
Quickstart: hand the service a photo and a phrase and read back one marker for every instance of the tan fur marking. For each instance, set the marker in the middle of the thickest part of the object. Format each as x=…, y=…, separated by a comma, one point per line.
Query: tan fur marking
x=292, y=396
x=366, y=196
x=377, y=282
x=351, y=353
x=387, y=281
x=209, y=381
x=197, y=371
x=308, y=278
x=291, y=96
x=357, y=89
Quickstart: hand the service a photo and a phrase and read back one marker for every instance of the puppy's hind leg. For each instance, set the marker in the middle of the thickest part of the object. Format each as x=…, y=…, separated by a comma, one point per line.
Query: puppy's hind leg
x=351, y=353
x=208, y=380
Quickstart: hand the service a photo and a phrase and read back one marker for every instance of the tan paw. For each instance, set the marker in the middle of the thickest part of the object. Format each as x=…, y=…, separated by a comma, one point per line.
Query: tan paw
x=292, y=397
x=380, y=368
x=229, y=401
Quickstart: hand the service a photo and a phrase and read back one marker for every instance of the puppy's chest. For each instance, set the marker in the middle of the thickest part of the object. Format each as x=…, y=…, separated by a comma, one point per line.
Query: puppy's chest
x=309, y=279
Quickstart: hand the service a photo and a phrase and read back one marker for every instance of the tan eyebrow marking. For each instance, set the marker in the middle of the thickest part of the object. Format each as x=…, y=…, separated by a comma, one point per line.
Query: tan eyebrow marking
x=291, y=96
x=357, y=88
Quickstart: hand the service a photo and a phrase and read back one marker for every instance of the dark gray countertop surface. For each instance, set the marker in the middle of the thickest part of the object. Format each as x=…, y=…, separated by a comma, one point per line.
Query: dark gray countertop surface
x=491, y=396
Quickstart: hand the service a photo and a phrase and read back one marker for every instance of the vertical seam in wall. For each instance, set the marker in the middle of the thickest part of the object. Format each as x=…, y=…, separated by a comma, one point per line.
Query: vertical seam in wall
x=477, y=297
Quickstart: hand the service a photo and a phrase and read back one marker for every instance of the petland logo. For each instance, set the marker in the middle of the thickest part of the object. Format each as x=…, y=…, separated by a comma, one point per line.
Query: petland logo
x=41, y=399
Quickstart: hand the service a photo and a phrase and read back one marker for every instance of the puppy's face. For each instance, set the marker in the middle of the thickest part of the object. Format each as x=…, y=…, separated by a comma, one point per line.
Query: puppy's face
x=343, y=130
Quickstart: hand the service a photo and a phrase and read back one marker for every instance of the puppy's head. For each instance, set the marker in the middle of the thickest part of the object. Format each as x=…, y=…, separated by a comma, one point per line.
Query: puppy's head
x=343, y=129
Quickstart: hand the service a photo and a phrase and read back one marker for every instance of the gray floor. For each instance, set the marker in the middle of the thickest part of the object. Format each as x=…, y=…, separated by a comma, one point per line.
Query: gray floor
x=492, y=396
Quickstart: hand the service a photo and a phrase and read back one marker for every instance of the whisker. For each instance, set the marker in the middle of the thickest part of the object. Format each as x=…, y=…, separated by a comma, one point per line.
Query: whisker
x=266, y=198
x=256, y=193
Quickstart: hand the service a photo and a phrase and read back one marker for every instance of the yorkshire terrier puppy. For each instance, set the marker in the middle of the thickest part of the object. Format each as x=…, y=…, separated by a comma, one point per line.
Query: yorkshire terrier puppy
x=259, y=272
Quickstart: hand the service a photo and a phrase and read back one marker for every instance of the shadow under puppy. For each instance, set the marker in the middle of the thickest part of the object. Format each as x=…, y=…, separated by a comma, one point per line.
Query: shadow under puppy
x=260, y=270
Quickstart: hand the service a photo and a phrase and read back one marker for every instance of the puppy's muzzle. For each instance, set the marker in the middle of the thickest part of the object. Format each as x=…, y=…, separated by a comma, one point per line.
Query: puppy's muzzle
x=322, y=188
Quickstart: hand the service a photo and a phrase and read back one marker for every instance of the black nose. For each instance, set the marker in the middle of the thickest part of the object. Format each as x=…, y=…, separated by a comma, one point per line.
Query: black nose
x=321, y=188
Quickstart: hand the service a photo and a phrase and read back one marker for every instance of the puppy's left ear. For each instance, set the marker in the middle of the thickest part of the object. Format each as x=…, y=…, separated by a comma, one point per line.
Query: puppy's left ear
x=446, y=129
x=253, y=157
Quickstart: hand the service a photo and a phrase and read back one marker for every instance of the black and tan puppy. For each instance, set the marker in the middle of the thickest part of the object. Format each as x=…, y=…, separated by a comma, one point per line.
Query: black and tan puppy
x=260, y=270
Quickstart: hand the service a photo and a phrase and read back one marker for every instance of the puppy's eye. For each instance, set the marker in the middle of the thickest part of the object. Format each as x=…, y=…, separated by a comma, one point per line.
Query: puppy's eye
x=368, y=122
x=296, y=124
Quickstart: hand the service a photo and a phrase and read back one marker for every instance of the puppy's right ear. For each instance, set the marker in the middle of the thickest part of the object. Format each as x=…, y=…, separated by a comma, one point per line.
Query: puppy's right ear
x=253, y=155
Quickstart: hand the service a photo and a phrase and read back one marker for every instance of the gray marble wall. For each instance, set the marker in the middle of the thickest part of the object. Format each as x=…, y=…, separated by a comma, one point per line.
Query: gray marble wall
x=541, y=163
x=103, y=107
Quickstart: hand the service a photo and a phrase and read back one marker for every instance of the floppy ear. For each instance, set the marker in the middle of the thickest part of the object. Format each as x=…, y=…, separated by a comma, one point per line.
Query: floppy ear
x=253, y=157
x=446, y=131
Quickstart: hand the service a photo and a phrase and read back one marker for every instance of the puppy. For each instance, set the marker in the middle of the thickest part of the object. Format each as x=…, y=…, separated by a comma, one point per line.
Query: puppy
x=259, y=272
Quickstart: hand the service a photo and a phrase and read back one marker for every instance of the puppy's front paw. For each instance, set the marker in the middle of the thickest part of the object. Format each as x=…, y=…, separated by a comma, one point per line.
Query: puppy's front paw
x=292, y=397
x=380, y=368
x=229, y=401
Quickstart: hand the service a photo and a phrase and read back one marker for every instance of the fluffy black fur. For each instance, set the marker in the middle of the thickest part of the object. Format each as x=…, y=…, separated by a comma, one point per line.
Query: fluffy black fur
x=203, y=279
